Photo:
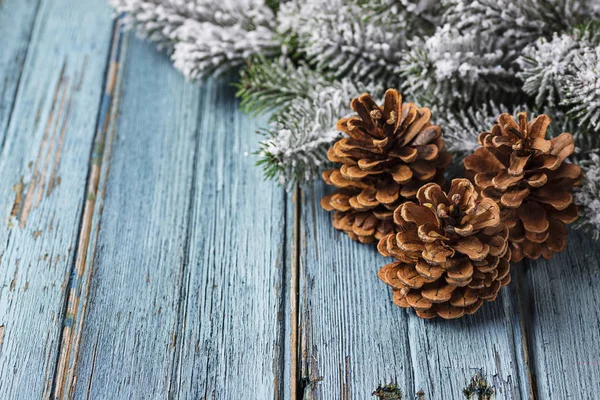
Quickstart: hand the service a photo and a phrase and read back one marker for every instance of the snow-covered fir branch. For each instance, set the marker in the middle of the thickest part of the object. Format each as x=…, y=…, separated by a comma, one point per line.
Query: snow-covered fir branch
x=582, y=88
x=363, y=40
x=297, y=142
x=587, y=197
x=304, y=128
x=204, y=48
x=471, y=56
x=468, y=60
x=545, y=64
x=561, y=15
x=204, y=37
x=511, y=24
x=266, y=85
x=461, y=128
x=452, y=66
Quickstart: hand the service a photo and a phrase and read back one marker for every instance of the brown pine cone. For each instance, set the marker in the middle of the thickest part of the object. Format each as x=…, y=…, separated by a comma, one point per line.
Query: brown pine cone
x=390, y=153
x=451, y=250
x=527, y=175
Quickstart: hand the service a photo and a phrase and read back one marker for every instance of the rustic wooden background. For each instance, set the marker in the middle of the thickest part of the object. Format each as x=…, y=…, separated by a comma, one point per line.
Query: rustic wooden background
x=142, y=256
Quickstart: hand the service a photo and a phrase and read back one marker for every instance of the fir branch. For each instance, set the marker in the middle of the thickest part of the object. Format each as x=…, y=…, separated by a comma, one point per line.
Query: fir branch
x=512, y=25
x=363, y=40
x=461, y=128
x=546, y=63
x=452, y=67
x=543, y=65
x=582, y=88
x=587, y=197
x=471, y=57
x=204, y=37
x=266, y=85
x=562, y=15
x=156, y=20
x=205, y=49
x=304, y=128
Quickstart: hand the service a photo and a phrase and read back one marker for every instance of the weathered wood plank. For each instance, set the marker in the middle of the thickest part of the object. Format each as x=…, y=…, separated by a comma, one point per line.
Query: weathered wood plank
x=188, y=260
x=90, y=222
x=562, y=316
x=291, y=358
x=446, y=354
x=232, y=312
x=354, y=338
x=135, y=267
x=16, y=25
x=44, y=166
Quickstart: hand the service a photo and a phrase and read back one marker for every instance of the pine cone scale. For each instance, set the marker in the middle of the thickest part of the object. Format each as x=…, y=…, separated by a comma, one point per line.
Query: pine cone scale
x=390, y=152
x=529, y=177
x=445, y=266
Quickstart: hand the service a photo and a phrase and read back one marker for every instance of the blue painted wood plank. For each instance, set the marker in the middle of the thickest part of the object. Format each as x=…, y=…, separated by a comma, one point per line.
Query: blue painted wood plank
x=290, y=299
x=561, y=312
x=446, y=354
x=187, y=267
x=125, y=348
x=44, y=166
x=79, y=284
x=16, y=25
x=229, y=342
x=354, y=338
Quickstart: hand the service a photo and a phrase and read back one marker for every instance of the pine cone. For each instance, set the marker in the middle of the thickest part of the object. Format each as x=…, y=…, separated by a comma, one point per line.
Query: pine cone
x=528, y=177
x=392, y=150
x=451, y=250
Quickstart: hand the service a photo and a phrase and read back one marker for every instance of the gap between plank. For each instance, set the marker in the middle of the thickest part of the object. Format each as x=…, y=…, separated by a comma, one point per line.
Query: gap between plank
x=522, y=291
x=296, y=387
x=78, y=286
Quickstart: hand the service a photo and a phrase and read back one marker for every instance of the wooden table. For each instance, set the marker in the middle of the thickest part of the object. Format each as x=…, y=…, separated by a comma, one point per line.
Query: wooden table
x=143, y=256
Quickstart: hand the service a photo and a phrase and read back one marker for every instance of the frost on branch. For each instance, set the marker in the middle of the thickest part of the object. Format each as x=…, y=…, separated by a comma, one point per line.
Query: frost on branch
x=510, y=23
x=298, y=141
x=361, y=40
x=451, y=67
x=582, y=88
x=296, y=144
x=461, y=129
x=204, y=37
x=545, y=63
x=204, y=49
x=587, y=197
x=543, y=66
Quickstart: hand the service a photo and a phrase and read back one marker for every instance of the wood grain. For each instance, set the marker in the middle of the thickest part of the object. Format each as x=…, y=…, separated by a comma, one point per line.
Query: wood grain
x=16, y=24
x=80, y=280
x=143, y=256
x=229, y=342
x=125, y=348
x=188, y=263
x=354, y=338
x=44, y=165
x=561, y=312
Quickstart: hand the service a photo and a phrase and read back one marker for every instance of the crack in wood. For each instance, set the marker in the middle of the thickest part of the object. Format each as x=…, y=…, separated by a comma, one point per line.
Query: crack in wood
x=526, y=350
x=79, y=286
x=296, y=391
